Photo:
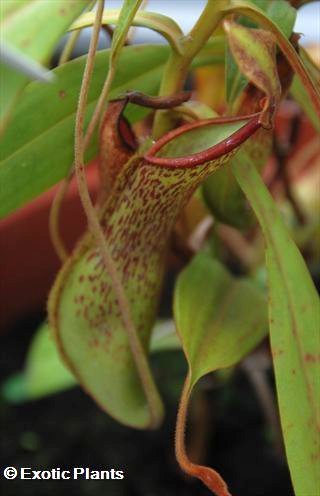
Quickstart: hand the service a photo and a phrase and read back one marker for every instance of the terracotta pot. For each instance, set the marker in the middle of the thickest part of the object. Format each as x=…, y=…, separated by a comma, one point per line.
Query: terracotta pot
x=28, y=260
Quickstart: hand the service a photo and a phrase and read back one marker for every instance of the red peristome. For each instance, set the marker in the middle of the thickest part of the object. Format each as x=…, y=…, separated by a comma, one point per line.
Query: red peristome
x=117, y=145
x=212, y=153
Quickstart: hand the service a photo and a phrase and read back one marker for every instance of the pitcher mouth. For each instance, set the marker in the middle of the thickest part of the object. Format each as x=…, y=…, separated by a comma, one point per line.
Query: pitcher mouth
x=221, y=148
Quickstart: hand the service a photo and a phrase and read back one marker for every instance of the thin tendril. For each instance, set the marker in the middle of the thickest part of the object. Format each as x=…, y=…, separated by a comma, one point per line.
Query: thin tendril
x=57, y=202
x=56, y=238
x=137, y=350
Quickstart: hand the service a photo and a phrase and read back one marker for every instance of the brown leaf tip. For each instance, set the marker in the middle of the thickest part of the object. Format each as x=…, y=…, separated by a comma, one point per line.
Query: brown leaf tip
x=211, y=479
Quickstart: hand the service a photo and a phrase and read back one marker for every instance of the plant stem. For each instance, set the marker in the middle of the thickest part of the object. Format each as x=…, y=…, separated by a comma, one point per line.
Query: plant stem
x=178, y=64
x=152, y=396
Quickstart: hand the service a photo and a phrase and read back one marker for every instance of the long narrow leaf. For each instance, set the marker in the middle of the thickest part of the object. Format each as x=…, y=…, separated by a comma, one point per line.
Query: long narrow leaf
x=294, y=312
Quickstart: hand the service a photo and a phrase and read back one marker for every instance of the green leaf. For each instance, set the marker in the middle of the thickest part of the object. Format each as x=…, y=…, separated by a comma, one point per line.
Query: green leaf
x=219, y=318
x=13, y=388
x=284, y=16
x=160, y=23
x=294, y=312
x=34, y=28
x=44, y=371
x=37, y=147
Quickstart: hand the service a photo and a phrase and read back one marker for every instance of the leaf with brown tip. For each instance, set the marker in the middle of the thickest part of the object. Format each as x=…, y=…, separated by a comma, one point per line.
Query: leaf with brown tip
x=219, y=319
x=254, y=52
x=253, y=12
